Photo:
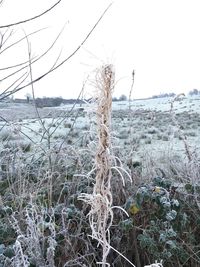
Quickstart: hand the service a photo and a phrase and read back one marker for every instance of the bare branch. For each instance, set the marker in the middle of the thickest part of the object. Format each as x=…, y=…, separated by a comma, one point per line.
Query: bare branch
x=32, y=89
x=131, y=90
x=6, y=37
x=33, y=60
x=83, y=42
x=3, y=38
x=15, y=66
x=20, y=40
x=8, y=92
x=69, y=57
x=13, y=73
x=33, y=18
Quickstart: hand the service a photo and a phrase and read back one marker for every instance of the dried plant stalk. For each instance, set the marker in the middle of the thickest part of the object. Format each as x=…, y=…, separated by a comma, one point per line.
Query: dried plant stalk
x=102, y=188
x=131, y=90
x=101, y=214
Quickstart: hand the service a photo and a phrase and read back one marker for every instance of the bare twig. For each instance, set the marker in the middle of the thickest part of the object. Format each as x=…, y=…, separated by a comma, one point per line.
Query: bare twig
x=5, y=38
x=32, y=18
x=33, y=60
x=32, y=86
x=66, y=59
x=24, y=76
x=131, y=90
x=20, y=40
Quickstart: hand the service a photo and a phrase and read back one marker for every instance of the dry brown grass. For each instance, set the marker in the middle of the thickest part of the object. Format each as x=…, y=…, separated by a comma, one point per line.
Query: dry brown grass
x=101, y=214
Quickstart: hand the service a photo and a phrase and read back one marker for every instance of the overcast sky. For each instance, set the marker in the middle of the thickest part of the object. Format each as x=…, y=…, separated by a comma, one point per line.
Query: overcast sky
x=159, y=39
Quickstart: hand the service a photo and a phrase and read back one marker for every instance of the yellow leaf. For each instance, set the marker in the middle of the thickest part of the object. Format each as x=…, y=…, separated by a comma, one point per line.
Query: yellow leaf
x=157, y=189
x=134, y=209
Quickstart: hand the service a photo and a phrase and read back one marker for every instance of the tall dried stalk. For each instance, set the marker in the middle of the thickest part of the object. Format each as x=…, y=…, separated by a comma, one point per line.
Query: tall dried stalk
x=131, y=90
x=101, y=214
x=102, y=188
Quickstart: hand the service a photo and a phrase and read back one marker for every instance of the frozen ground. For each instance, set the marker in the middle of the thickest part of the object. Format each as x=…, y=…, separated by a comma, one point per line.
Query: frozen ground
x=146, y=129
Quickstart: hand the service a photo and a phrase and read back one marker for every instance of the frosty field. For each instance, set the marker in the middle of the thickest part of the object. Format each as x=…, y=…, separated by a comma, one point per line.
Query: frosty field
x=147, y=128
x=48, y=162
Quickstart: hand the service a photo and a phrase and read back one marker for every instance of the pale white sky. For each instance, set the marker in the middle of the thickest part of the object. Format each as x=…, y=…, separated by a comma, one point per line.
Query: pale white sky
x=159, y=39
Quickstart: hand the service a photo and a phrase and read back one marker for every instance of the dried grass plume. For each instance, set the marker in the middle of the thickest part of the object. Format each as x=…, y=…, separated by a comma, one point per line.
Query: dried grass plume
x=101, y=214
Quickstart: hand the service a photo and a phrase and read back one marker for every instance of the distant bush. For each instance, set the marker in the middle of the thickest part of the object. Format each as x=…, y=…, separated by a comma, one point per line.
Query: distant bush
x=164, y=95
x=48, y=102
x=114, y=99
x=123, y=98
x=194, y=92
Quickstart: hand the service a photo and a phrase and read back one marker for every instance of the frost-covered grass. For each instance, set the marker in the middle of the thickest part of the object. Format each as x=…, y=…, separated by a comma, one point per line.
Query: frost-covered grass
x=148, y=119
x=46, y=163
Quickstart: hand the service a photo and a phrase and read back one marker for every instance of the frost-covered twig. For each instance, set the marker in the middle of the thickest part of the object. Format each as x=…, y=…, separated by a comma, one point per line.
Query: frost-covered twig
x=156, y=264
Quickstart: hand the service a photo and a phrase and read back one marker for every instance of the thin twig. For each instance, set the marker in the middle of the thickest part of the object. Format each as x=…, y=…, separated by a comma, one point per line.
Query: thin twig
x=131, y=90
x=32, y=18
x=69, y=57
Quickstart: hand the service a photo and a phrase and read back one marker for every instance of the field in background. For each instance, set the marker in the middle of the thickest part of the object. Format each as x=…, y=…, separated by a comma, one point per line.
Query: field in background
x=148, y=125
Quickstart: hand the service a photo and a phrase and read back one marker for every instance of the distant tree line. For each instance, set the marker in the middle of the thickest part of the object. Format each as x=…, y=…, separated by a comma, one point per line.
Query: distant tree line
x=44, y=101
x=48, y=102
x=164, y=95
x=55, y=101
x=194, y=92
x=121, y=98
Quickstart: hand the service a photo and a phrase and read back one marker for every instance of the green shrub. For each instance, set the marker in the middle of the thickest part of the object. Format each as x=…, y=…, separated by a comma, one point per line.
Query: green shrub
x=169, y=222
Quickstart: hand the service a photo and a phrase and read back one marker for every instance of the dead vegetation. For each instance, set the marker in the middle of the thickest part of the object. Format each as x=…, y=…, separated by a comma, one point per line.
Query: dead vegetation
x=118, y=188
x=142, y=208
